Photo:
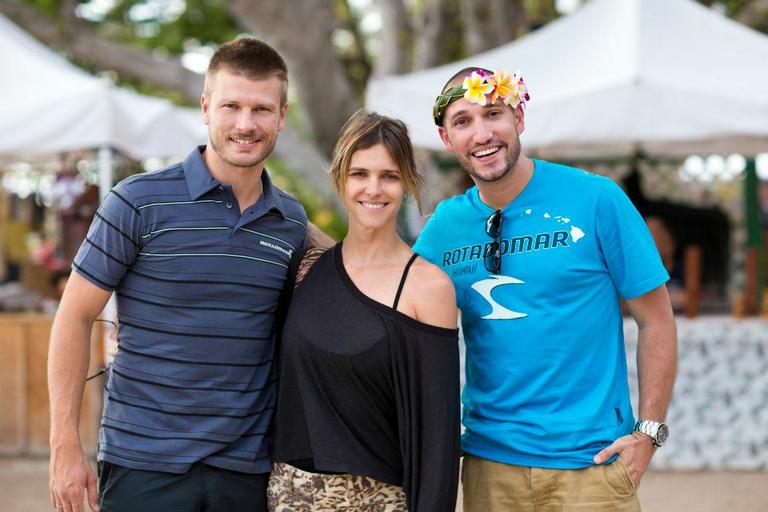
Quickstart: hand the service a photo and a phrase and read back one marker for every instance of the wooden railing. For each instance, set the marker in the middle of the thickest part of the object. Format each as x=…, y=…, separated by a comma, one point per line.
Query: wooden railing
x=24, y=409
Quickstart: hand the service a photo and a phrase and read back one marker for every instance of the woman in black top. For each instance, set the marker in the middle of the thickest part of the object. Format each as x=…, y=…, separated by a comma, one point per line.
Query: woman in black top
x=368, y=407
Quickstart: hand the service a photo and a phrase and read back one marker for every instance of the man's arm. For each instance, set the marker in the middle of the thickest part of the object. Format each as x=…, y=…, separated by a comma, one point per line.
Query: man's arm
x=316, y=237
x=656, y=368
x=68, y=357
x=656, y=352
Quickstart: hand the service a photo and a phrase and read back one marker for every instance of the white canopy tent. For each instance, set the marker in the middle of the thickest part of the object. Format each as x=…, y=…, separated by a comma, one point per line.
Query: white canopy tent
x=668, y=77
x=49, y=105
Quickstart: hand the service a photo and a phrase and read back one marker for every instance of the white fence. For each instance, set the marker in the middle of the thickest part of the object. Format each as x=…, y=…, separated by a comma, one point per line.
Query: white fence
x=718, y=417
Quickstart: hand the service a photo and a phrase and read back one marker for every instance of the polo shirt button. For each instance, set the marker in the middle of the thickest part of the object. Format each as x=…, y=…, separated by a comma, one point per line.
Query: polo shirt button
x=229, y=204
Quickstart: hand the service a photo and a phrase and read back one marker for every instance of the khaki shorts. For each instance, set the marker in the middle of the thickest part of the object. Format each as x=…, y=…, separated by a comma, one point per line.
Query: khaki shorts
x=493, y=487
x=293, y=490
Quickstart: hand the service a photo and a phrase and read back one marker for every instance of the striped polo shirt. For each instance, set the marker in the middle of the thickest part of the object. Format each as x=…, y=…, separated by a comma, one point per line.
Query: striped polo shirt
x=197, y=285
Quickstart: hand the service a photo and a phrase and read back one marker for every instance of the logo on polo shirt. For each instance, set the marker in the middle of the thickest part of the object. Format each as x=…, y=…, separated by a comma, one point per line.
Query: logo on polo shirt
x=287, y=252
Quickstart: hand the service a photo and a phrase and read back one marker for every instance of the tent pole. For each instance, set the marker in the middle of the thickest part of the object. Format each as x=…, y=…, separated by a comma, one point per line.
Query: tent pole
x=105, y=171
x=752, y=282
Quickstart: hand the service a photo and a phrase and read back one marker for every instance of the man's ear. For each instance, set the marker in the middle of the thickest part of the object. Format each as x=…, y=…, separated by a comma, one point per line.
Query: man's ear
x=204, y=108
x=520, y=119
x=281, y=123
x=444, y=137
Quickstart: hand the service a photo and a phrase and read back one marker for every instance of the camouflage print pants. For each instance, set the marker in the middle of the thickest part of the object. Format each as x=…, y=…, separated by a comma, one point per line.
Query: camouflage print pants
x=293, y=490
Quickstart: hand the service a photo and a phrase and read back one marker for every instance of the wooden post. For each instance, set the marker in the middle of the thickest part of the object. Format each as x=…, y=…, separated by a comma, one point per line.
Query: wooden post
x=3, y=219
x=751, y=279
x=692, y=280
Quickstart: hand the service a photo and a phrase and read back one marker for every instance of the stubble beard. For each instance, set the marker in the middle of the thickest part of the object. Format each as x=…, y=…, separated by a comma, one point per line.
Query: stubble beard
x=219, y=147
x=514, y=156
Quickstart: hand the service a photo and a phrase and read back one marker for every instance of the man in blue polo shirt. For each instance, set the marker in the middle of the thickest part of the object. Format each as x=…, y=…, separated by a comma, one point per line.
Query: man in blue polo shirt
x=540, y=254
x=197, y=254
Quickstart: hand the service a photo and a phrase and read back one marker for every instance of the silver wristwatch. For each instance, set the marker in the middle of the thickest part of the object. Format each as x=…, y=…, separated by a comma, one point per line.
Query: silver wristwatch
x=658, y=432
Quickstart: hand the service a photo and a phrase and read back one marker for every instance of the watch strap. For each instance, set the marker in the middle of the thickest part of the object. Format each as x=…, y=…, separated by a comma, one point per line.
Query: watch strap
x=651, y=429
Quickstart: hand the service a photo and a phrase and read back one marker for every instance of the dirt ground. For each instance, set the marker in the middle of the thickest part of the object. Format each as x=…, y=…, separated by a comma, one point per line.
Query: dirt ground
x=24, y=488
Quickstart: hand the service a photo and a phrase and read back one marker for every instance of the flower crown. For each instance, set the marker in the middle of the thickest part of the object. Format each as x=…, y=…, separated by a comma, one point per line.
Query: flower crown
x=481, y=88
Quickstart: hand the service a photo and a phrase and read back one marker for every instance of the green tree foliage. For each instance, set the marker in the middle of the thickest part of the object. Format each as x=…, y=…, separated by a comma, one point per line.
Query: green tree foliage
x=153, y=24
x=169, y=25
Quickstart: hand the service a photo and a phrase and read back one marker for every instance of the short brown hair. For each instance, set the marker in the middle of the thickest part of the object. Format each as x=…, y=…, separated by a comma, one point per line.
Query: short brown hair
x=366, y=129
x=250, y=57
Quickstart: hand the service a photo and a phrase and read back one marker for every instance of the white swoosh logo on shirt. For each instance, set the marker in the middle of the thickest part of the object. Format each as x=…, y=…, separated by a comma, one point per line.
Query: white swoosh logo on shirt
x=485, y=288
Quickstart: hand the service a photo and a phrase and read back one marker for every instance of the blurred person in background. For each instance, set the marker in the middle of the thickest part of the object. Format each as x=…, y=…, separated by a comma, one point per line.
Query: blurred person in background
x=58, y=282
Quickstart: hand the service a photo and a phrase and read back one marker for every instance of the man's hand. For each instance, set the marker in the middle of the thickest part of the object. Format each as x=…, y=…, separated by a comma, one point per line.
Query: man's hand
x=70, y=473
x=635, y=449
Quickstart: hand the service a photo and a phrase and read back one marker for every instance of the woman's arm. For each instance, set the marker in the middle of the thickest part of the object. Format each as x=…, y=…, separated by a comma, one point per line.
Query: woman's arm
x=430, y=422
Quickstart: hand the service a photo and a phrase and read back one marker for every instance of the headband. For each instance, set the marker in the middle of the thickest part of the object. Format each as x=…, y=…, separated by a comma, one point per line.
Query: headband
x=481, y=88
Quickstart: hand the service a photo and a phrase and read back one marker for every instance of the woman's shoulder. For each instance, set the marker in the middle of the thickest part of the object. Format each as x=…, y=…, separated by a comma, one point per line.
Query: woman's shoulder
x=431, y=276
x=432, y=294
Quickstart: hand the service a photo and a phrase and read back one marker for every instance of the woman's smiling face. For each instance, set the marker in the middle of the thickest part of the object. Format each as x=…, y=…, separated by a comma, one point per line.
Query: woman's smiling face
x=373, y=188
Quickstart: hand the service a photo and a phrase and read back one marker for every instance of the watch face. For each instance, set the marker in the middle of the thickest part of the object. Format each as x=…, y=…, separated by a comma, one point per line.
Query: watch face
x=662, y=434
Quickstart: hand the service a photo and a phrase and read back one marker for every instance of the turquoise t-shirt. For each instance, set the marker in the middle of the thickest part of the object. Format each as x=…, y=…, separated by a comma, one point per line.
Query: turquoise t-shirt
x=546, y=374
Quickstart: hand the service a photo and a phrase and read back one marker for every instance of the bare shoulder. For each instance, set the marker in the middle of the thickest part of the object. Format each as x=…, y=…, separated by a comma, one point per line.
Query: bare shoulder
x=431, y=278
x=431, y=294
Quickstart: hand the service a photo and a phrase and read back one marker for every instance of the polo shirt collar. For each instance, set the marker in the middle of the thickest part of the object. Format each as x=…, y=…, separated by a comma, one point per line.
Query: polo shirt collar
x=199, y=178
x=270, y=194
x=200, y=181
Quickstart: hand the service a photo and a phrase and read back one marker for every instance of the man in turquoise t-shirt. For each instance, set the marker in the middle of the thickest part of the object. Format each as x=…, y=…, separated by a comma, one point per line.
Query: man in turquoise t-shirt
x=540, y=254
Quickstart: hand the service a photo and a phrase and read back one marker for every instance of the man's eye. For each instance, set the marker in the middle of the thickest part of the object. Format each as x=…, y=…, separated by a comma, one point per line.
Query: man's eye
x=460, y=122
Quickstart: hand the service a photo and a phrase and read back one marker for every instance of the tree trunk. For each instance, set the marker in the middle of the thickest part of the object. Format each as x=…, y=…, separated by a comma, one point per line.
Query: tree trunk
x=355, y=57
x=490, y=23
x=507, y=19
x=474, y=38
x=755, y=15
x=437, y=40
x=301, y=31
x=395, y=39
